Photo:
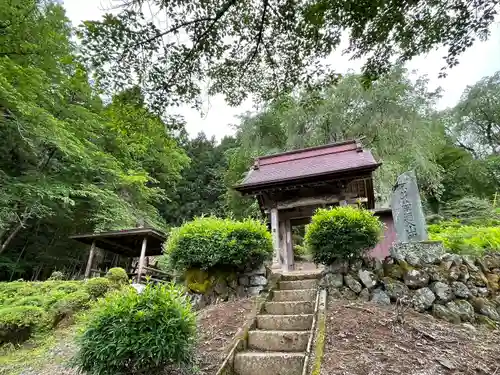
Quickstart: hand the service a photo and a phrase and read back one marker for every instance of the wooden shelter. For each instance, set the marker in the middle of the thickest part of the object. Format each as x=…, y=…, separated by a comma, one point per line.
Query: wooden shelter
x=290, y=186
x=131, y=243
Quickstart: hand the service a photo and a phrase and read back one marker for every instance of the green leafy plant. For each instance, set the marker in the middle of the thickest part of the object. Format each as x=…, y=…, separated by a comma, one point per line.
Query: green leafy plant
x=56, y=275
x=472, y=211
x=466, y=239
x=18, y=322
x=223, y=243
x=117, y=276
x=130, y=333
x=70, y=304
x=98, y=287
x=300, y=252
x=341, y=233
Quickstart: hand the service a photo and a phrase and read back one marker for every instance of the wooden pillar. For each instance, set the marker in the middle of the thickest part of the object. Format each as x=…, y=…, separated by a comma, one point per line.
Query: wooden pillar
x=288, y=256
x=89, y=261
x=141, y=259
x=276, y=237
x=282, y=242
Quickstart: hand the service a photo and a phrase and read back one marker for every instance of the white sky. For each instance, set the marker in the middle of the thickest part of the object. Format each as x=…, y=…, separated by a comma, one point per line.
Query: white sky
x=482, y=59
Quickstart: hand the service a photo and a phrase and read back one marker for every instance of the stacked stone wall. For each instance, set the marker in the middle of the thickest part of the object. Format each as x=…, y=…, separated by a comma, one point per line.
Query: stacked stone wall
x=449, y=286
x=207, y=288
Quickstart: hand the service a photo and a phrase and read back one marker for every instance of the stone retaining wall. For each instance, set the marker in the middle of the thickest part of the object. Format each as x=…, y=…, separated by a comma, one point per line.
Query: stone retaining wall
x=449, y=286
x=206, y=288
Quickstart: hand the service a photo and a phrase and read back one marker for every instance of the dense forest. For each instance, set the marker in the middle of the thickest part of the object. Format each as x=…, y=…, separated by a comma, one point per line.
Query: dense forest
x=79, y=154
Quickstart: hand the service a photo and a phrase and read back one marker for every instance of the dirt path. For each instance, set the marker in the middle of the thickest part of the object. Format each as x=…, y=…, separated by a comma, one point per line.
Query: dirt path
x=363, y=339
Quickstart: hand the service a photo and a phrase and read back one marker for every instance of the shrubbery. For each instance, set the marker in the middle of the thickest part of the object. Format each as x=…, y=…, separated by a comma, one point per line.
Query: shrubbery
x=117, y=276
x=131, y=333
x=98, y=287
x=223, y=243
x=18, y=322
x=341, y=233
x=29, y=306
x=472, y=211
x=466, y=239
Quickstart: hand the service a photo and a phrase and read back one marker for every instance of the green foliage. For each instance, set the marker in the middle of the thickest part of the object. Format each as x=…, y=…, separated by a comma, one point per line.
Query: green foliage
x=98, y=287
x=472, y=211
x=131, y=333
x=257, y=60
x=70, y=304
x=211, y=242
x=17, y=322
x=56, y=299
x=201, y=189
x=342, y=233
x=395, y=114
x=56, y=275
x=117, y=276
x=300, y=252
x=68, y=162
x=466, y=239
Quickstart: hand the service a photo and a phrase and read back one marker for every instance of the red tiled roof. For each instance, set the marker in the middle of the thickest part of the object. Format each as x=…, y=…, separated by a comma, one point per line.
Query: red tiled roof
x=309, y=162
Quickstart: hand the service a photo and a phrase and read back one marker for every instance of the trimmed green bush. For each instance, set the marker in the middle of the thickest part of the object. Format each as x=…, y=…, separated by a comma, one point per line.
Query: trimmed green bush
x=98, y=287
x=465, y=239
x=57, y=300
x=70, y=304
x=117, y=276
x=131, y=333
x=210, y=242
x=18, y=322
x=342, y=233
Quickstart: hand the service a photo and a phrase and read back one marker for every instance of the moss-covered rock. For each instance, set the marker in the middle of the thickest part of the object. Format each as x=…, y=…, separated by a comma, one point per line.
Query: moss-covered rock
x=347, y=293
x=491, y=261
x=394, y=288
x=463, y=309
x=485, y=307
x=442, y=312
x=415, y=278
x=464, y=275
x=393, y=270
x=493, y=279
x=198, y=281
x=485, y=321
x=454, y=273
x=478, y=278
x=423, y=299
x=437, y=272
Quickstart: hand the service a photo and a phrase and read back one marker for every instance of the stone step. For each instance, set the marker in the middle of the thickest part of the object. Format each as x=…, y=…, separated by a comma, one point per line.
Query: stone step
x=278, y=341
x=289, y=308
x=268, y=363
x=294, y=295
x=301, y=276
x=298, y=284
x=301, y=322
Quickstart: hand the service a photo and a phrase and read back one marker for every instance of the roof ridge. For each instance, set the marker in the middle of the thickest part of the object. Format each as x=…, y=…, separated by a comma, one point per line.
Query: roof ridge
x=301, y=150
x=310, y=156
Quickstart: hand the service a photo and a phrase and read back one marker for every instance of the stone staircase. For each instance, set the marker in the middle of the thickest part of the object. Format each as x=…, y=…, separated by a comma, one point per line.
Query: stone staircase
x=278, y=344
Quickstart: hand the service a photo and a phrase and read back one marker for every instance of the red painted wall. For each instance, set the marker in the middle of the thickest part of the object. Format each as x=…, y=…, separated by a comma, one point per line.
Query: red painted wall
x=389, y=237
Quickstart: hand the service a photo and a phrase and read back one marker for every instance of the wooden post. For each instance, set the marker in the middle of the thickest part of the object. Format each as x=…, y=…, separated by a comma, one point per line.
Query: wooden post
x=276, y=237
x=89, y=261
x=282, y=242
x=288, y=256
x=141, y=259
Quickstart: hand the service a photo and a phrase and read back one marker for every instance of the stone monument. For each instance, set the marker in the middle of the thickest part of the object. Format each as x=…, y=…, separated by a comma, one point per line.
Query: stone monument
x=407, y=212
x=413, y=245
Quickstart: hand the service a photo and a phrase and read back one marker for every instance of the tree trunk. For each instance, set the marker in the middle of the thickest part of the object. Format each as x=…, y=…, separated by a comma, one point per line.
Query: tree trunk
x=11, y=236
